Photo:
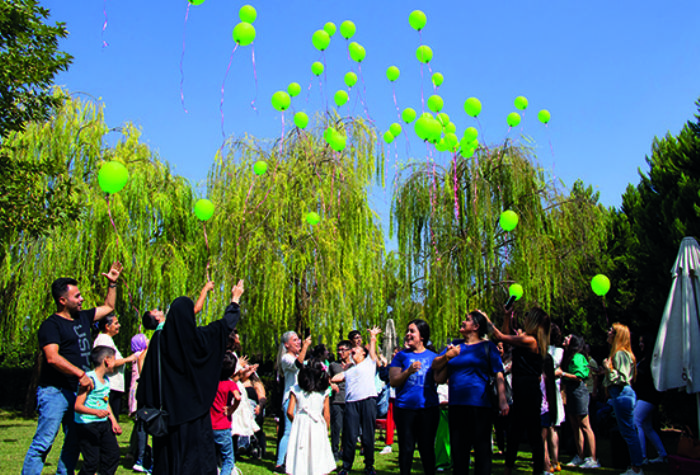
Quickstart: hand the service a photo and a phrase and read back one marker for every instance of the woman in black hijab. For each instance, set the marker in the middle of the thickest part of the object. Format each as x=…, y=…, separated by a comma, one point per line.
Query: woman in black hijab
x=190, y=360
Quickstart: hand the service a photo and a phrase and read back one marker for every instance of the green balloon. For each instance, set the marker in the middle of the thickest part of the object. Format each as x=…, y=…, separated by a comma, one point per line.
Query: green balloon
x=466, y=149
x=204, y=210
x=451, y=128
x=424, y=54
x=357, y=52
x=301, y=120
x=328, y=134
x=471, y=134
x=312, y=218
x=408, y=115
x=260, y=167
x=317, y=68
x=516, y=290
x=244, y=34
x=421, y=128
x=443, y=118
x=521, y=103
x=321, y=40
x=338, y=142
x=112, y=177
x=441, y=145
x=395, y=129
x=247, y=14
x=600, y=285
x=392, y=73
x=417, y=20
x=329, y=28
x=294, y=89
x=452, y=141
x=544, y=116
x=434, y=130
x=281, y=100
x=508, y=220
x=472, y=106
x=341, y=97
x=438, y=78
x=350, y=79
x=347, y=29
x=388, y=136
x=196, y=2
x=513, y=119
x=435, y=103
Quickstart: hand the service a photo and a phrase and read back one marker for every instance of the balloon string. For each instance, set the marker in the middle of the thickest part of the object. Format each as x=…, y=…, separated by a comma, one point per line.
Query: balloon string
x=454, y=165
x=182, y=60
x=109, y=212
x=206, y=241
x=282, y=137
x=422, y=98
x=104, y=25
x=364, y=92
x=396, y=104
x=255, y=76
x=223, y=85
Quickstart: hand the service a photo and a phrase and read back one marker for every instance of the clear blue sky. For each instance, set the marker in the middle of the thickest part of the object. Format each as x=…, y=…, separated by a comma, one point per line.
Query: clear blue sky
x=613, y=74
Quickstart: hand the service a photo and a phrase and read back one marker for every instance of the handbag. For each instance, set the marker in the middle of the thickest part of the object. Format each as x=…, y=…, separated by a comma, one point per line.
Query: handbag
x=492, y=385
x=155, y=420
x=688, y=446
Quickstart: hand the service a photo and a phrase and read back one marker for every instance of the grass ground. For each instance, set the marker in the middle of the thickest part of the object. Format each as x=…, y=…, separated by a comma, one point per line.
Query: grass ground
x=16, y=433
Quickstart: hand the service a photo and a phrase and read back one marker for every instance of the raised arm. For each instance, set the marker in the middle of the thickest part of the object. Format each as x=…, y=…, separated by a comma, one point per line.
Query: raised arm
x=373, y=332
x=304, y=348
x=111, y=299
x=523, y=340
x=199, y=304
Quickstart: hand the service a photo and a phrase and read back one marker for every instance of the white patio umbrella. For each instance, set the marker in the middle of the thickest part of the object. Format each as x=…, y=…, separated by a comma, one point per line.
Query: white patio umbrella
x=676, y=361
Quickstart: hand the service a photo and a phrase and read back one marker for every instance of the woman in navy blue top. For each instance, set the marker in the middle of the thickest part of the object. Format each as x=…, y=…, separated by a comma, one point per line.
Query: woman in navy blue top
x=467, y=365
x=416, y=410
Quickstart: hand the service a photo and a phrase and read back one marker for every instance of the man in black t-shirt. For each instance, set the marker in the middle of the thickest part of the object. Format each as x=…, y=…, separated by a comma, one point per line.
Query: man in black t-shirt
x=337, y=406
x=65, y=341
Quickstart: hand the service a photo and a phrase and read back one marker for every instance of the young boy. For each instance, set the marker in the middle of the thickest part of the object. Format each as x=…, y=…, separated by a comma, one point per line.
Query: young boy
x=227, y=399
x=95, y=422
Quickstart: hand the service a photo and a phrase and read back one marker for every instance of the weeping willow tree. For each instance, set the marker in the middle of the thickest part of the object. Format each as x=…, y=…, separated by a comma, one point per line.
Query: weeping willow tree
x=325, y=277
x=456, y=256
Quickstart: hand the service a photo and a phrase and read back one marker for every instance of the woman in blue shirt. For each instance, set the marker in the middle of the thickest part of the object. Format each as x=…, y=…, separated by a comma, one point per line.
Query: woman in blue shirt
x=467, y=365
x=416, y=411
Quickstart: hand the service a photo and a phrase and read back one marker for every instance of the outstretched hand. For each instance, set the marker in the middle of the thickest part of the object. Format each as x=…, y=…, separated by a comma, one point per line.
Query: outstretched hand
x=114, y=272
x=374, y=331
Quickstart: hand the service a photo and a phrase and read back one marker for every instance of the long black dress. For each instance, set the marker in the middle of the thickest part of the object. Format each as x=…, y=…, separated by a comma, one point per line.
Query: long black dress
x=191, y=360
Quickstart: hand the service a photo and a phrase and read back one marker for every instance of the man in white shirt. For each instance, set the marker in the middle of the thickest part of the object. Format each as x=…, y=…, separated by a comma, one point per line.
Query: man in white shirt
x=360, y=404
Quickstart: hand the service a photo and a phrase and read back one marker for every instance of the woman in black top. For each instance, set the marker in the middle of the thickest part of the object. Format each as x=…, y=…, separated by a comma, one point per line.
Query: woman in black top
x=529, y=353
x=190, y=362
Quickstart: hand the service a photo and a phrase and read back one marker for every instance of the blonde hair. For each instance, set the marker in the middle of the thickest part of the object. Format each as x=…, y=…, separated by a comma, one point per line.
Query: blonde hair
x=538, y=324
x=622, y=342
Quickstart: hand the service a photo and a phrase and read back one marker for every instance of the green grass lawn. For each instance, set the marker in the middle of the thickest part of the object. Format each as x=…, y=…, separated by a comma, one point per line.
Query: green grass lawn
x=16, y=434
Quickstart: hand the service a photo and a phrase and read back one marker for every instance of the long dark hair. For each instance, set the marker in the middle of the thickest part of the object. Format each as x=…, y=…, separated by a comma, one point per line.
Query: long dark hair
x=479, y=319
x=423, y=329
x=313, y=377
x=576, y=344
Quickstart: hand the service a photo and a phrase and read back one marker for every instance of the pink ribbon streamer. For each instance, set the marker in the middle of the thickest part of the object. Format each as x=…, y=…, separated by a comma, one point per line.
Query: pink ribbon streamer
x=364, y=92
x=255, y=75
x=454, y=166
x=104, y=25
x=223, y=85
x=182, y=60
x=282, y=137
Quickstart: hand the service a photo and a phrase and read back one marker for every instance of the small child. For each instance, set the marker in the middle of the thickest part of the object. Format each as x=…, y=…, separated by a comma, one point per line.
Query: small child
x=309, y=451
x=95, y=422
x=227, y=399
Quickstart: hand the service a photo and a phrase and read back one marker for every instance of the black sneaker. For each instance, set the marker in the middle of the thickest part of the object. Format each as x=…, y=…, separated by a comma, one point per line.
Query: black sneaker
x=370, y=471
x=279, y=469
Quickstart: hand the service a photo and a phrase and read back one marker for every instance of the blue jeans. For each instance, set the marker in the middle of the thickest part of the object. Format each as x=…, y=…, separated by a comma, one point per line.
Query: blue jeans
x=224, y=444
x=623, y=400
x=55, y=407
x=282, y=449
x=643, y=419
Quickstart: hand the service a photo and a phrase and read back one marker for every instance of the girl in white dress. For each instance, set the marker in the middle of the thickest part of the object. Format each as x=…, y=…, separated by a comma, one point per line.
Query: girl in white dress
x=309, y=451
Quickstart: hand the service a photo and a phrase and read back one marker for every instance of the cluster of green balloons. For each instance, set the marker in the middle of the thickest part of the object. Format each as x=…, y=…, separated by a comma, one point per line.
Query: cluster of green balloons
x=600, y=285
x=112, y=177
x=244, y=32
x=393, y=132
x=204, y=210
x=508, y=220
x=335, y=139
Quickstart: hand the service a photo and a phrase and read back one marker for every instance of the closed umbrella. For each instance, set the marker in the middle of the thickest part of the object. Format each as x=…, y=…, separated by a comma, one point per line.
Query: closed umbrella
x=390, y=339
x=676, y=361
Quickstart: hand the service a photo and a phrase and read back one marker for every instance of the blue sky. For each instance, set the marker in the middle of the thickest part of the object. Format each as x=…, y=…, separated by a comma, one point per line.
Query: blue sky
x=613, y=74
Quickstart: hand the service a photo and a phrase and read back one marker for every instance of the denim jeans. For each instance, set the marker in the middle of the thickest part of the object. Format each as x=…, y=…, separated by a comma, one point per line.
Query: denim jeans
x=282, y=448
x=623, y=400
x=643, y=420
x=224, y=444
x=55, y=407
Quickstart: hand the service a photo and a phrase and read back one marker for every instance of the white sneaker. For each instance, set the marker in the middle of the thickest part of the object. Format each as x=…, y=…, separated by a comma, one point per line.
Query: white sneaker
x=139, y=468
x=659, y=459
x=575, y=462
x=632, y=472
x=590, y=463
x=386, y=450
